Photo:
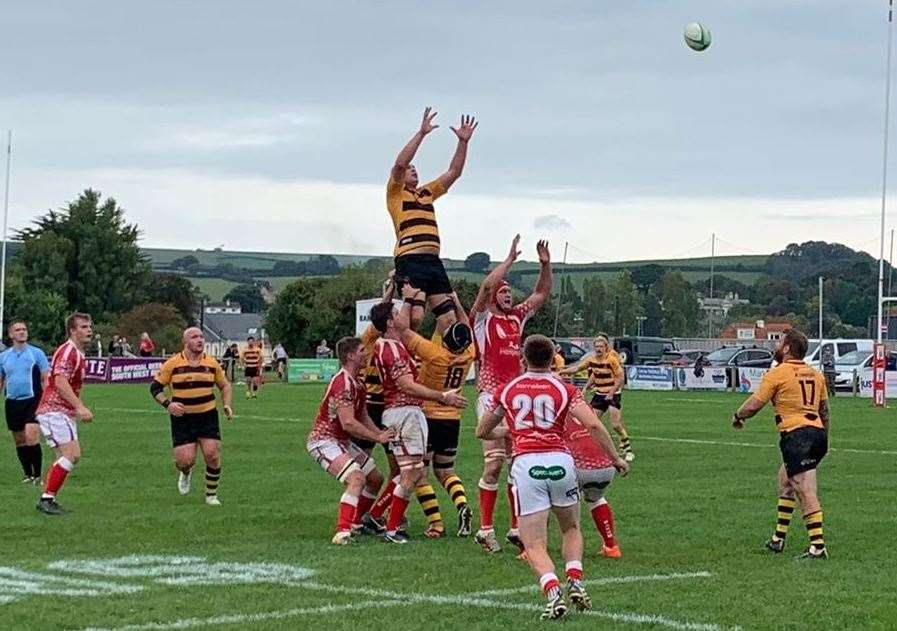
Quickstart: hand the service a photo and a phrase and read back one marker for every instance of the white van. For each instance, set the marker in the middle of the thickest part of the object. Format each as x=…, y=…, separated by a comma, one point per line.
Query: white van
x=839, y=347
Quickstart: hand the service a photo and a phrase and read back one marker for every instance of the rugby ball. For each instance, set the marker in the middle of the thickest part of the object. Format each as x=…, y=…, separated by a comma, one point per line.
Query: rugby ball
x=697, y=36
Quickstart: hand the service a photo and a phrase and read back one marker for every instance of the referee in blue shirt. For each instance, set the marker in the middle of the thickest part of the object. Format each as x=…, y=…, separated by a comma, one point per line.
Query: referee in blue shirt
x=24, y=370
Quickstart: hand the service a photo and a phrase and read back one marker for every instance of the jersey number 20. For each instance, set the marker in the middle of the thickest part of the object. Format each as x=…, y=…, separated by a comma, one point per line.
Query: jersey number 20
x=540, y=408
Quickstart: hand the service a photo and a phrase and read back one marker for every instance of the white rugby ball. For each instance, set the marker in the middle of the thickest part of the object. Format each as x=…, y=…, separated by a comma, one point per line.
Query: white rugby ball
x=697, y=36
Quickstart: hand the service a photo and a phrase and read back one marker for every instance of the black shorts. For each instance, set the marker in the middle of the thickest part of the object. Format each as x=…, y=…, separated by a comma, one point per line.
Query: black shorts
x=601, y=402
x=803, y=449
x=189, y=428
x=251, y=373
x=376, y=414
x=424, y=271
x=442, y=437
x=20, y=412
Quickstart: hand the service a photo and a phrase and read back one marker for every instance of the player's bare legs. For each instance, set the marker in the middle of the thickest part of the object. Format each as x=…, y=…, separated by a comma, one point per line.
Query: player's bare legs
x=444, y=471
x=534, y=533
x=568, y=519
x=67, y=456
x=184, y=459
x=411, y=474
x=211, y=453
x=494, y=457
x=443, y=308
x=804, y=485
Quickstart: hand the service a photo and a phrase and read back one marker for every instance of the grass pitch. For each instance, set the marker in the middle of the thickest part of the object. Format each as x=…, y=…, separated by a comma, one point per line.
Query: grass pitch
x=691, y=519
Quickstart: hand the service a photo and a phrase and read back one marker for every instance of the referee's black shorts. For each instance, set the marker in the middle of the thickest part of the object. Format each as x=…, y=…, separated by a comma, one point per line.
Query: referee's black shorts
x=189, y=428
x=20, y=412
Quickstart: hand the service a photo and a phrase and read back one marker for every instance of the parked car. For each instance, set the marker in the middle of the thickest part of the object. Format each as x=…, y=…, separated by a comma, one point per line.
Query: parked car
x=571, y=352
x=839, y=347
x=682, y=358
x=847, y=365
x=733, y=356
x=642, y=350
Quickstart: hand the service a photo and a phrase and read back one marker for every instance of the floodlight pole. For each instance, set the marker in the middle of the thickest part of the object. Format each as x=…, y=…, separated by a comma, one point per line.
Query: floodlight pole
x=884, y=170
x=820, y=308
x=557, y=306
x=712, y=265
x=5, y=223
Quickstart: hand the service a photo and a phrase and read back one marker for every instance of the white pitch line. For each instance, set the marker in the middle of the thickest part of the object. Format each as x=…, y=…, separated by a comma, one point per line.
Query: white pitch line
x=635, y=578
x=248, y=618
x=695, y=441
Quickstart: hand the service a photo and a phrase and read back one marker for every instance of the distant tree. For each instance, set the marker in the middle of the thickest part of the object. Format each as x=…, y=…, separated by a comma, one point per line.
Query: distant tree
x=177, y=291
x=644, y=276
x=87, y=254
x=625, y=305
x=681, y=311
x=323, y=265
x=44, y=310
x=185, y=263
x=477, y=262
x=163, y=323
x=289, y=268
x=249, y=297
x=653, y=312
x=595, y=304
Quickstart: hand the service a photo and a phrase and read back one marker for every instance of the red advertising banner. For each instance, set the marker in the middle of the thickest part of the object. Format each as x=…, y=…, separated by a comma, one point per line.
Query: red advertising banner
x=878, y=375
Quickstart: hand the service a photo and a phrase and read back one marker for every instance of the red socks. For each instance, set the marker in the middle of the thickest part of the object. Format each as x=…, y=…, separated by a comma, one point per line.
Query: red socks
x=347, y=505
x=488, y=497
x=56, y=476
x=550, y=584
x=574, y=570
x=365, y=502
x=383, y=502
x=397, y=508
x=604, y=522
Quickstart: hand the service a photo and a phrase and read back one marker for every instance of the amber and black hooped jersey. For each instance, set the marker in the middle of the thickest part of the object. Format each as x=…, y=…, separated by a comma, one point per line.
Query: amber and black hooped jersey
x=440, y=370
x=796, y=390
x=604, y=371
x=372, y=384
x=193, y=386
x=413, y=216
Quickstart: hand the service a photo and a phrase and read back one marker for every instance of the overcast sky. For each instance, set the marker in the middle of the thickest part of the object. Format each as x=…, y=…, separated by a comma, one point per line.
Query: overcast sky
x=273, y=125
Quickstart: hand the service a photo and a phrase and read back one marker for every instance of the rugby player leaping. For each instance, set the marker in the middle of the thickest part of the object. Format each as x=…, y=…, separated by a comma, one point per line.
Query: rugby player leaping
x=498, y=332
x=414, y=219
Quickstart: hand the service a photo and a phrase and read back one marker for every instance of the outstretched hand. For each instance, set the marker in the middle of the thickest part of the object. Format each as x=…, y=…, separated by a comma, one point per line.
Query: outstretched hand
x=544, y=254
x=426, y=125
x=465, y=131
x=514, y=253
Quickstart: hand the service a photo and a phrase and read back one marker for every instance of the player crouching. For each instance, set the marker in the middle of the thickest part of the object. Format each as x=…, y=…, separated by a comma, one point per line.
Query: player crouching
x=341, y=415
x=535, y=407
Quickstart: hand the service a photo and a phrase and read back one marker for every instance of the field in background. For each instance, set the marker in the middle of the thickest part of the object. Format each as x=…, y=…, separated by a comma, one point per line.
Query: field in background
x=691, y=517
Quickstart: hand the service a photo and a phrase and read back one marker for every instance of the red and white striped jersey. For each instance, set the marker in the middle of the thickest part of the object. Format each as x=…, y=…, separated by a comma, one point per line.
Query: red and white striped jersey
x=535, y=407
x=68, y=361
x=587, y=454
x=498, y=337
x=344, y=391
x=393, y=361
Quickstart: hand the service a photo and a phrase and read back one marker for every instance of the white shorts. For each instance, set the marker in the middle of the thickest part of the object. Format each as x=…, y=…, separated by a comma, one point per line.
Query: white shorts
x=544, y=480
x=339, y=459
x=411, y=430
x=58, y=428
x=593, y=482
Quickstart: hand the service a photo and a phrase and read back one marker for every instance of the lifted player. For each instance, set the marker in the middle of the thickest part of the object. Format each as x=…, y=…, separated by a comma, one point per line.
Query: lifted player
x=444, y=364
x=799, y=395
x=535, y=409
x=342, y=414
x=414, y=219
x=498, y=332
x=402, y=412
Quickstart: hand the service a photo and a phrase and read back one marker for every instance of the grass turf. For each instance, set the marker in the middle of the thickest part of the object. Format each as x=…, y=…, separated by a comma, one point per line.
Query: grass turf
x=687, y=507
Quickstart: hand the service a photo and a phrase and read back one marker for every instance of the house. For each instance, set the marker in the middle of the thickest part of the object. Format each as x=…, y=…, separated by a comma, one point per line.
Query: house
x=719, y=308
x=223, y=329
x=759, y=330
x=222, y=307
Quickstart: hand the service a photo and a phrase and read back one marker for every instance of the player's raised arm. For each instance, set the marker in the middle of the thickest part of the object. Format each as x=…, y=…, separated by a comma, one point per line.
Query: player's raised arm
x=406, y=155
x=492, y=278
x=542, y=291
x=464, y=132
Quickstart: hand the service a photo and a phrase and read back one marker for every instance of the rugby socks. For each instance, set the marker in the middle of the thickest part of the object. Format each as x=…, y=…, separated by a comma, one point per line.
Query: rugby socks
x=379, y=508
x=37, y=461
x=212, y=478
x=427, y=498
x=574, y=570
x=512, y=506
x=24, y=454
x=347, y=506
x=365, y=502
x=488, y=497
x=455, y=488
x=56, y=477
x=813, y=522
x=625, y=445
x=397, y=508
x=550, y=584
x=785, y=511
x=603, y=517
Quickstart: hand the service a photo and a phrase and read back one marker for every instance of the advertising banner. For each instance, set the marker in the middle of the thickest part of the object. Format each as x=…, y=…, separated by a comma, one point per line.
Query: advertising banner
x=749, y=378
x=712, y=378
x=867, y=388
x=97, y=368
x=133, y=369
x=649, y=378
x=303, y=370
x=363, y=312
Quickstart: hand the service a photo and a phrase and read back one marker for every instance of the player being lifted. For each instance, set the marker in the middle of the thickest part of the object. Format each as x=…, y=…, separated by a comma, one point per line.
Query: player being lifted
x=535, y=408
x=606, y=378
x=799, y=396
x=498, y=332
x=445, y=362
x=403, y=395
x=414, y=219
x=341, y=415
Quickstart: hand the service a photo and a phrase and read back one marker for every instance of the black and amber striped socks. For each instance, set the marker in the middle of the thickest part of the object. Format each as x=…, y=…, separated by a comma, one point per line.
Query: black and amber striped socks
x=212, y=477
x=426, y=495
x=625, y=445
x=784, y=513
x=455, y=488
x=813, y=522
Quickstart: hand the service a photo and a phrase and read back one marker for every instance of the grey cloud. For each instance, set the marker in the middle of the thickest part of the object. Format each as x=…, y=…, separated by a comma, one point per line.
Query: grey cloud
x=551, y=222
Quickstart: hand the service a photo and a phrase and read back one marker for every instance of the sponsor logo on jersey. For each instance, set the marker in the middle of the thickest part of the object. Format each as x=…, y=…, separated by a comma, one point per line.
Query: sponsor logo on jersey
x=555, y=472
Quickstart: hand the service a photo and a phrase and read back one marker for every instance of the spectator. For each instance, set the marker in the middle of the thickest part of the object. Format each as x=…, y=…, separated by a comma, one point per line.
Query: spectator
x=280, y=360
x=229, y=359
x=125, y=348
x=828, y=368
x=323, y=351
x=147, y=346
x=114, y=346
